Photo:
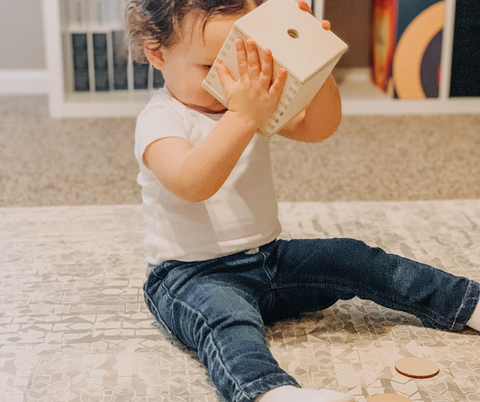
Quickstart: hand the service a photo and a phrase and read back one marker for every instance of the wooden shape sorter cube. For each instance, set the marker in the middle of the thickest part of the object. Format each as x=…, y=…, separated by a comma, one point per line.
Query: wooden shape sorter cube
x=298, y=43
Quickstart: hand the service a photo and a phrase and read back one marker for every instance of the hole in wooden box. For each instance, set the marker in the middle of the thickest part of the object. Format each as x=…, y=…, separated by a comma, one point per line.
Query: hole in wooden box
x=293, y=33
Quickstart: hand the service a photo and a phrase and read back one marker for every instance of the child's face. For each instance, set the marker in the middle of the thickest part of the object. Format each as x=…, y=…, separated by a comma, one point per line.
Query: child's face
x=187, y=63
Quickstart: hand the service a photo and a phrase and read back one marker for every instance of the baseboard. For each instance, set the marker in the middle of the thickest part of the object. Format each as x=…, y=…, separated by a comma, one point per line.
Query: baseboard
x=23, y=82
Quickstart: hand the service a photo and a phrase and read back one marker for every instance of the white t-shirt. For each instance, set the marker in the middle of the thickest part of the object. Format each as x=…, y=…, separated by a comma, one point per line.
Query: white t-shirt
x=242, y=214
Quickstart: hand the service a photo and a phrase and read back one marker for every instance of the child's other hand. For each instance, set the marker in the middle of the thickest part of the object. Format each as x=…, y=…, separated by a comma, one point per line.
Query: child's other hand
x=305, y=7
x=254, y=94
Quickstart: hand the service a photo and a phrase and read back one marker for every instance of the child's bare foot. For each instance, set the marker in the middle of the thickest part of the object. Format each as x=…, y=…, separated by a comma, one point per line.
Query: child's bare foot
x=290, y=393
x=474, y=321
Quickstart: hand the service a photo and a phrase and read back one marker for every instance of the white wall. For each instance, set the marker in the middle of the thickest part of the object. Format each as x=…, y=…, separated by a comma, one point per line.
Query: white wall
x=22, y=59
x=21, y=35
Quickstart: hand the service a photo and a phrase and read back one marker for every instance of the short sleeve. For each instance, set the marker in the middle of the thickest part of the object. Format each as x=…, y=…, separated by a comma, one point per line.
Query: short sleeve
x=158, y=120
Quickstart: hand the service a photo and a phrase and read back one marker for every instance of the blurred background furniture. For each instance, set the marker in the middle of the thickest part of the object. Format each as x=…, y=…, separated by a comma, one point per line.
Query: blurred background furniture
x=90, y=74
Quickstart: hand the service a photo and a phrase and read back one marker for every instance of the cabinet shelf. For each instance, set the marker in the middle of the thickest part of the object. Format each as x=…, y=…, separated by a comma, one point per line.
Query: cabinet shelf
x=360, y=96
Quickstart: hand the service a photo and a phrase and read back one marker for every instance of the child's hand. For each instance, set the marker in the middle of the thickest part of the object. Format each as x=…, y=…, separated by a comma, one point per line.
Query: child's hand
x=304, y=6
x=253, y=95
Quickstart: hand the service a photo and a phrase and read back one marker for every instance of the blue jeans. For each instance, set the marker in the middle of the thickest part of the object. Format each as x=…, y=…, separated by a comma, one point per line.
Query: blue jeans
x=218, y=307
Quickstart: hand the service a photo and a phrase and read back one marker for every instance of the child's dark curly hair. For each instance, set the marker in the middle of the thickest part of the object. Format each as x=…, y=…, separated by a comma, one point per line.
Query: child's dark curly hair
x=159, y=21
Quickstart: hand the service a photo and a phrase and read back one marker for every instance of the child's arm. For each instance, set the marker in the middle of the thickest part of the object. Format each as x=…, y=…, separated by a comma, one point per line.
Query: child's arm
x=320, y=119
x=195, y=173
x=322, y=116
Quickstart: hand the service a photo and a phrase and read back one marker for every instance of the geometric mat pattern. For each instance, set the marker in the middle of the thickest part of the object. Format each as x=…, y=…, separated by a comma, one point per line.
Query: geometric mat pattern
x=74, y=325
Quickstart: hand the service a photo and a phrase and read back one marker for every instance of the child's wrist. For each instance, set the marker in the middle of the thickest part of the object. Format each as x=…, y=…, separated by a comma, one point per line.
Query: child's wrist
x=244, y=121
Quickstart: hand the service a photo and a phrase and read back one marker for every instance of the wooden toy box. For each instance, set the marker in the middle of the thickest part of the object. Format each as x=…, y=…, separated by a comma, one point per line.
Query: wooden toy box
x=298, y=43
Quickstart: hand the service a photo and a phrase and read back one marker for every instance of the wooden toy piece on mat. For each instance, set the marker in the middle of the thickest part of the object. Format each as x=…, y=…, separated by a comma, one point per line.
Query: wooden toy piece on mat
x=417, y=367
x=388, y=398
x=298, y=43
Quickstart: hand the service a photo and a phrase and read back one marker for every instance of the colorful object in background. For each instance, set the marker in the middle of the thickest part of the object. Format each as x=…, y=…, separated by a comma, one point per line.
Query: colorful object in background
x=384, y=39
x=407, y=47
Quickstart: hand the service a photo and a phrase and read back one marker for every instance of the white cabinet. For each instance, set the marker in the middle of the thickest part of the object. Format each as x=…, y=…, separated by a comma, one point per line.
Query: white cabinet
x=64, y=101
x=359, y=95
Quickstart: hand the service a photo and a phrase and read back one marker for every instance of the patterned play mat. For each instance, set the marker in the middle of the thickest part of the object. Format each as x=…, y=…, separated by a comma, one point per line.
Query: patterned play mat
x=74, y=326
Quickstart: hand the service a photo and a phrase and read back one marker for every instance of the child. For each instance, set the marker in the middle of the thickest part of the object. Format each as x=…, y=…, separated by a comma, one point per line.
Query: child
x=217, y=271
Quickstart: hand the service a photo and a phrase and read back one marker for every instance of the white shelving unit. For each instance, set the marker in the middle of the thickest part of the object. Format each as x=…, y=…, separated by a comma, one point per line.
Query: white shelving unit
x=359, y=95
x=63, y=100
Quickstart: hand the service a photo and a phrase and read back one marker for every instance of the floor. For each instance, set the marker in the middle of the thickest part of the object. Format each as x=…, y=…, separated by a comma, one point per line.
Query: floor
x=74, y=326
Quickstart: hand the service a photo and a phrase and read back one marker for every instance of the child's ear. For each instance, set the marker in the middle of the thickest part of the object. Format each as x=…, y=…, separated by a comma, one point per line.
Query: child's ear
x=154, y=55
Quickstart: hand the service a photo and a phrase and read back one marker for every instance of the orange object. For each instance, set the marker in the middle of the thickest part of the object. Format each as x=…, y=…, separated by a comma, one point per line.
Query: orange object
x=417, y=367
x=384, y=37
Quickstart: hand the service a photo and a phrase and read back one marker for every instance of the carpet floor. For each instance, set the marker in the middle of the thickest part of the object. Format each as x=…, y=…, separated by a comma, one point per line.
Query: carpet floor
x=45, y=161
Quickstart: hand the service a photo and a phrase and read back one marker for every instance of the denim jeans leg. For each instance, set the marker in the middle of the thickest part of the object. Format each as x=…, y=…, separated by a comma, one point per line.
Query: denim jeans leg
x=313, y=274
x=208, y=312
